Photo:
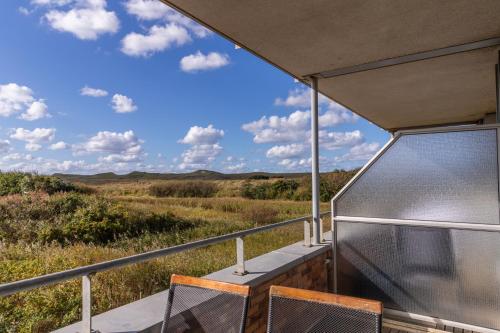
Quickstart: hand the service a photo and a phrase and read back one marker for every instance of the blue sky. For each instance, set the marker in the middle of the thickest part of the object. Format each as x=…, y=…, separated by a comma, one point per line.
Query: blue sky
x=90, y=86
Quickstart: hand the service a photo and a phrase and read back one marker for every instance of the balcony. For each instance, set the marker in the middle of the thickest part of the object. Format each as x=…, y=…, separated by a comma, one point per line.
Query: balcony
x=417, y=228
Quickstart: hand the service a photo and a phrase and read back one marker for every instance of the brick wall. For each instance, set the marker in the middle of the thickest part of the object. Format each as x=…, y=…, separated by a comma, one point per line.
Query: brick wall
x=311, y=274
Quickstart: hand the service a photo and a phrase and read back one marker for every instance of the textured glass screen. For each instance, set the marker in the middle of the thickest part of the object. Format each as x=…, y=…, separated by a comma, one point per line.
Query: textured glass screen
x=449, y=274
x=438, y=176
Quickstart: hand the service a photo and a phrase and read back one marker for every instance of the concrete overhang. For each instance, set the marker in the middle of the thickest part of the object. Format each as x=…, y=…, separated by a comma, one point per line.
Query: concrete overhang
x=396, y=63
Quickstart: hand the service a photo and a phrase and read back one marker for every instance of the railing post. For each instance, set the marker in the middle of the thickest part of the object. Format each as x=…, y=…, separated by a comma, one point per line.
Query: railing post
x=86, y=304
x=321, y=236
x=307, y=233
x=240, y=257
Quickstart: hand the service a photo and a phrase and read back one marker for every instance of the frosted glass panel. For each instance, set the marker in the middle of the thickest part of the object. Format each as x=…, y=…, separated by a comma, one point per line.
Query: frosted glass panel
x=448, y=274
x=437, y=176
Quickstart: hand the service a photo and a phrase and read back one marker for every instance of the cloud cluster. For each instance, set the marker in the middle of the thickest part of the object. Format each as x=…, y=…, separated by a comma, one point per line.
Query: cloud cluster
x=60, y=145
x=200, y=62
x=86, y=19
x=291, y=134
x=276, y=129
x=293, y=150
x=198, y=135
x=157, y=39
x=149, y=10
x=15, y=99
x=204, y=148
x=5, y=146
x=33, y=138
x=123, y=104
x=93, y=92
x=113, y=146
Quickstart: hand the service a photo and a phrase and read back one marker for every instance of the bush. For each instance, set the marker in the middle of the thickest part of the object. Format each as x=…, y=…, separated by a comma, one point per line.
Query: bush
x=261, y=215
x=289, y=189
x=258, y=177
x=329, y=185
x=73, y=217
x=198, y=189
x=281, y=189
x=21, y=183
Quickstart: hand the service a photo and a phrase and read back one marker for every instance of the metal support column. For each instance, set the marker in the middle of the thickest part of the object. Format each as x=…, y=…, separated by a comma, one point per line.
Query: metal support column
x=497, y=77
x=315, y=160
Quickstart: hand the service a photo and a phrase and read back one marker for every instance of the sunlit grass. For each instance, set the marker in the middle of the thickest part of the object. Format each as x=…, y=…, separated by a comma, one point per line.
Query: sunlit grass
x=47, y=308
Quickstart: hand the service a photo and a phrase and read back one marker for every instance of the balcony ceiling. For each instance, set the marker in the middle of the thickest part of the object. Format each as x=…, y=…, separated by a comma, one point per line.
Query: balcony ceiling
x=317, y=36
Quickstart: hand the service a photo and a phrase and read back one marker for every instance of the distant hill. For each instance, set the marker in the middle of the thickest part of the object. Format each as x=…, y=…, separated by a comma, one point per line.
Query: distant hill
x=108, y=177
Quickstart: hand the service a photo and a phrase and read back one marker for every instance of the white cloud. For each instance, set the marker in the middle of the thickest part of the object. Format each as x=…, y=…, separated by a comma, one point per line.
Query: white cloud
x=202, y=135
x=294, y=164
x=337, y=115
x=59, y=146
x=158, y=39
x=337, y=140
x=204, y=148
x=93, y=92
x=147, y=9
x=114, y=147
x=123, y=104
x=17, y=157
x=201, y=62
x=334, y=115
x=15, y=99
x=33, y=146
x=236, y=167
x=279, y=129
x=51, y=2
x=87, y=20
x=5, y=146
x=37, y=110
x=121, y=158
x=361, y=152
x=36, y=136
x=199, y=156
x=155, y=10
x=296, y=98
x=288, y=151
x=23, y=10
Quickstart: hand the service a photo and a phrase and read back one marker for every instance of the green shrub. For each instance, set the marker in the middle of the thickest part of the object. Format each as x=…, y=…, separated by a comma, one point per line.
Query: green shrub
x=290, y=189
x=281, y=189
x=184, y=189
x=258, y=177
x=73, y=217
x=21, y=183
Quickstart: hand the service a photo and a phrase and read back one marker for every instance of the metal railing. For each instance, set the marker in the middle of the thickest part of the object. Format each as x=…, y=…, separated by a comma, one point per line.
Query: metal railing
x=85, y=272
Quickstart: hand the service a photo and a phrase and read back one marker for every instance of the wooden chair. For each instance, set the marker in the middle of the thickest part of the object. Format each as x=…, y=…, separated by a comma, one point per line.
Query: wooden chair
x=199, y=305
x=299, y=310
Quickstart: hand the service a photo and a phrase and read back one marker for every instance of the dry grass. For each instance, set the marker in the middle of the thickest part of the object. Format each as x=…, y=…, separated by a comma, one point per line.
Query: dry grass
x=51, y=307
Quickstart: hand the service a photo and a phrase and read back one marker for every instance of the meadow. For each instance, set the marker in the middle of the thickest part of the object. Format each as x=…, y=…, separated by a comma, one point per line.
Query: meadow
x=48, y=224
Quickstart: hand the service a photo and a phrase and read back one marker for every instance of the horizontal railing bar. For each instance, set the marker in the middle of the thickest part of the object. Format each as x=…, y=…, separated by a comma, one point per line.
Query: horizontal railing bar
x=48, y=279
x=421, y=223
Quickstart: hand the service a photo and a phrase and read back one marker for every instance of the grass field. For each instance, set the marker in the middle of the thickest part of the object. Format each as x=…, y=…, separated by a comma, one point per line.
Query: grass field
x=32, y=255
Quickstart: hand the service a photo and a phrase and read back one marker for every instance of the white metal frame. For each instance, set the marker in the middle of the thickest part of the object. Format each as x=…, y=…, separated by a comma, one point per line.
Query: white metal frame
x=432, y=224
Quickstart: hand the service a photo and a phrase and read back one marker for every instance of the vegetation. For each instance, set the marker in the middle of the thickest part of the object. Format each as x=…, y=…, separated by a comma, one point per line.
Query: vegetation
x=291, y=189
x=21, y=183
x=53, y=228
x=183, y=189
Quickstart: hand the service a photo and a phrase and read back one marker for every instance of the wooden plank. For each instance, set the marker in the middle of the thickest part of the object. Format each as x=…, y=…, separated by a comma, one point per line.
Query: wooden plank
x=243, y=290
x=317, y=296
